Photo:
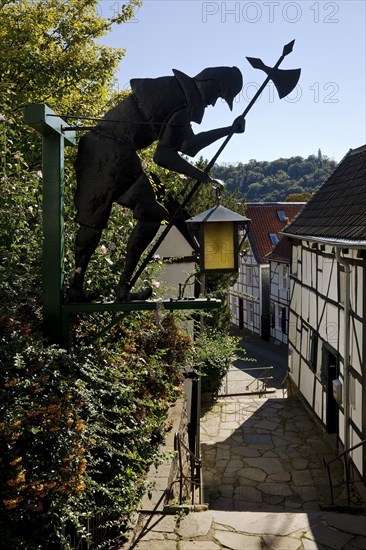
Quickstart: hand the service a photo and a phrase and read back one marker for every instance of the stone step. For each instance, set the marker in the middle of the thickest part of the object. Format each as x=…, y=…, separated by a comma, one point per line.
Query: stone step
x=254, y=530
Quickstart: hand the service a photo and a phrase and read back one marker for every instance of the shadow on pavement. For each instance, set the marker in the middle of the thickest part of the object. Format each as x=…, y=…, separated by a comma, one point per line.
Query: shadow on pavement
x=266, y=454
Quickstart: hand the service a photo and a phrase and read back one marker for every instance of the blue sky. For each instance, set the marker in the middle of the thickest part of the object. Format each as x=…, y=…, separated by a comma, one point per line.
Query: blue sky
x=327, y=109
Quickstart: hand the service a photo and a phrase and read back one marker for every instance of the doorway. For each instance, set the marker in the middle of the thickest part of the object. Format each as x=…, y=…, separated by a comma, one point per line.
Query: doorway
x=330, y=372
x=241, y=313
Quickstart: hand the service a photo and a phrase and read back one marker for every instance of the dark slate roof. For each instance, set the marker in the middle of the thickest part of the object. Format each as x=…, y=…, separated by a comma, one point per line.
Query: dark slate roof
x=264, y=221
x=338, y=209
x=281, y=252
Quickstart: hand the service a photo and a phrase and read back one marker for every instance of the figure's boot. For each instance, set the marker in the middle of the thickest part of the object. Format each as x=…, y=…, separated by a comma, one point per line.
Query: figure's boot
x=140, y=238
x=123, y=293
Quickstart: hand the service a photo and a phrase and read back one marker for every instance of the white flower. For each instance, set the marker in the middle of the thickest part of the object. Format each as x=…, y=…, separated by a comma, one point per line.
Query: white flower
x=103, y=249
x=39, y=174
x=155, y=284
x=156, y=257
x=30, y=208
x=2, y=118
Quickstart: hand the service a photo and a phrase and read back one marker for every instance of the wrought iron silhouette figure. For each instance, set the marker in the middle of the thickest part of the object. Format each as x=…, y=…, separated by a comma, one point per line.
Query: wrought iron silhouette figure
x=108, y=169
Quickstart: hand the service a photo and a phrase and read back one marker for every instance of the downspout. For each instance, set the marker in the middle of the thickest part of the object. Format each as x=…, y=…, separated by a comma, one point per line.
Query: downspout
x=346, y=354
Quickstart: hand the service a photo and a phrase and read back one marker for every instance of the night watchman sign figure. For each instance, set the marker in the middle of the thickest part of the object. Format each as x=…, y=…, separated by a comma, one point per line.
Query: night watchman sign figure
x=108, y=169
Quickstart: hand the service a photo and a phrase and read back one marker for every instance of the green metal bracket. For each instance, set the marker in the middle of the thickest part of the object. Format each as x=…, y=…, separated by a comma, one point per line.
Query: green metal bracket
x=56, y=315
x=115, y=307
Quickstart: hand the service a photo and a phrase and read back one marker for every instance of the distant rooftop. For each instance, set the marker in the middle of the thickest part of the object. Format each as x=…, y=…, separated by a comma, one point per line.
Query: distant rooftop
x=268, y=219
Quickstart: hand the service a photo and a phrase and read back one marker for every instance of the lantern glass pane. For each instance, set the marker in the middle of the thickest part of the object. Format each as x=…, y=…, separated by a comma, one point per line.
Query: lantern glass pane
x=219, y=246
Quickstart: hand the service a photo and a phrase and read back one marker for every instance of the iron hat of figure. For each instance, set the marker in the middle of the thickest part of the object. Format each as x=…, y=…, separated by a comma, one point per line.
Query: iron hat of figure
x=228, y=79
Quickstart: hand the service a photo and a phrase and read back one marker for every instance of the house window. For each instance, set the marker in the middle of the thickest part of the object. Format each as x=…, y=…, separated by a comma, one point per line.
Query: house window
x=284, y=278
x=274, y=238
x=250, y=313
x=249, y=275
x=281, y=215
x=341, y=284
x=313, y=350
x=294, y=259
x=273, y=315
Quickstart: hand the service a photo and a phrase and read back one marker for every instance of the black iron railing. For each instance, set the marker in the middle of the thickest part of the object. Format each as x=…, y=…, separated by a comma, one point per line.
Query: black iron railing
x=345, y=456
x=194, y=479
x=263, y=380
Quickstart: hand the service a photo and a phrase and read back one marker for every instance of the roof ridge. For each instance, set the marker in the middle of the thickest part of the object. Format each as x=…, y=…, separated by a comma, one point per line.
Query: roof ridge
x=337, y=210
x=357, y=150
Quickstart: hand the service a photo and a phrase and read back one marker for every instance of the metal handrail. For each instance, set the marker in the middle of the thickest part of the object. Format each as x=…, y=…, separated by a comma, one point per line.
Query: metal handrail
x=327, y=464
x=195, y=463
x=264, y=379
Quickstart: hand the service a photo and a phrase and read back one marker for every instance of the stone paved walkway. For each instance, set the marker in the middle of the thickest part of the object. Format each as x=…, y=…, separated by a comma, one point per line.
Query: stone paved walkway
x=265, y=454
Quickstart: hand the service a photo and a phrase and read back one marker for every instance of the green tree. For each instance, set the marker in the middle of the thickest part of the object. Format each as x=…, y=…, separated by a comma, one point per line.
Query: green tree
x=298, y=197
x=49, y=54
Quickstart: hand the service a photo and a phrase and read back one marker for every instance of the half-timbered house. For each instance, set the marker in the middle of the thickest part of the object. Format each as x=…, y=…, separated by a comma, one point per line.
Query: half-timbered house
x=327, y=333
x=279, y=290
x=249, y=297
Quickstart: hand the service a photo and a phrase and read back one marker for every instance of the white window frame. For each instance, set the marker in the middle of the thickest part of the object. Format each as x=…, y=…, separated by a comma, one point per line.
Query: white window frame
x=250, y=313
x=284, y=276
x=249, y=275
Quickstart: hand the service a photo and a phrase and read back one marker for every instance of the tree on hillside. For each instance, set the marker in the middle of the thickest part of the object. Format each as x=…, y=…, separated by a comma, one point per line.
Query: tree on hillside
x=298, y=197
x=273, y=181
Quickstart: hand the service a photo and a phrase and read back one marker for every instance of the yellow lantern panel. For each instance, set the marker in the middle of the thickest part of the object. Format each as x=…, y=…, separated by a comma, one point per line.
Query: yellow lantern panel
x=219, y=246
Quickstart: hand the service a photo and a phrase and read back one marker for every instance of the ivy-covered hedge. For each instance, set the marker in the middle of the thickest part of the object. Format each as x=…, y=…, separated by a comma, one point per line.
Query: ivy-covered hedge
x=80, y=429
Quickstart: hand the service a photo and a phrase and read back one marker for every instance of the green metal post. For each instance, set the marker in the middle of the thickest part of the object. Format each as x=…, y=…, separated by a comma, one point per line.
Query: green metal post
x=43, y=119
x=53, y=234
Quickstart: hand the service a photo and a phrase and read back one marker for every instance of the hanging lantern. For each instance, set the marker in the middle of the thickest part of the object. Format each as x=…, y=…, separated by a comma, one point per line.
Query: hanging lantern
x=218, y=235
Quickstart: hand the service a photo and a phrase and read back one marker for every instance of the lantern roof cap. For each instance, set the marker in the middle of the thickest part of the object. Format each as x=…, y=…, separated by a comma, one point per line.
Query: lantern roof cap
x=218, y=214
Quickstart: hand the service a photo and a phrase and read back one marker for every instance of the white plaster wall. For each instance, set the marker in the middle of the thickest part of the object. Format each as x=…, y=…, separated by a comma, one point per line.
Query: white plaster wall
x=171, y=275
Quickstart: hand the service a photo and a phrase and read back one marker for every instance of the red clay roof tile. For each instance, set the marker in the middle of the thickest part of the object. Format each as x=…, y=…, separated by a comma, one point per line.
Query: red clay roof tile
x=265, y=220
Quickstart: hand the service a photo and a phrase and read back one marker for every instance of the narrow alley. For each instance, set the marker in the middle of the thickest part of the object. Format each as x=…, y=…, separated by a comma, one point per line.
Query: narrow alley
x=263, y=474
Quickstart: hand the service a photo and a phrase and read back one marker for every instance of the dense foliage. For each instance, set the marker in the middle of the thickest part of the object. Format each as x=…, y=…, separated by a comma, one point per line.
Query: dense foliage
x=260, y=181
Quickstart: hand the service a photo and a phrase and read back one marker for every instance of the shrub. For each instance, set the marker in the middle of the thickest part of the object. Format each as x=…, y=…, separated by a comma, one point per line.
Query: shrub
x=214, y=353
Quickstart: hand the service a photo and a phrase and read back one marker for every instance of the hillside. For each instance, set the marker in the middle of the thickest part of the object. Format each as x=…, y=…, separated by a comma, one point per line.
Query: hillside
x=275, y=180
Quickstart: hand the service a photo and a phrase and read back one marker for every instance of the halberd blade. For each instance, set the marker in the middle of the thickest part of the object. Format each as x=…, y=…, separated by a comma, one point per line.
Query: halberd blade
x=285, y=80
